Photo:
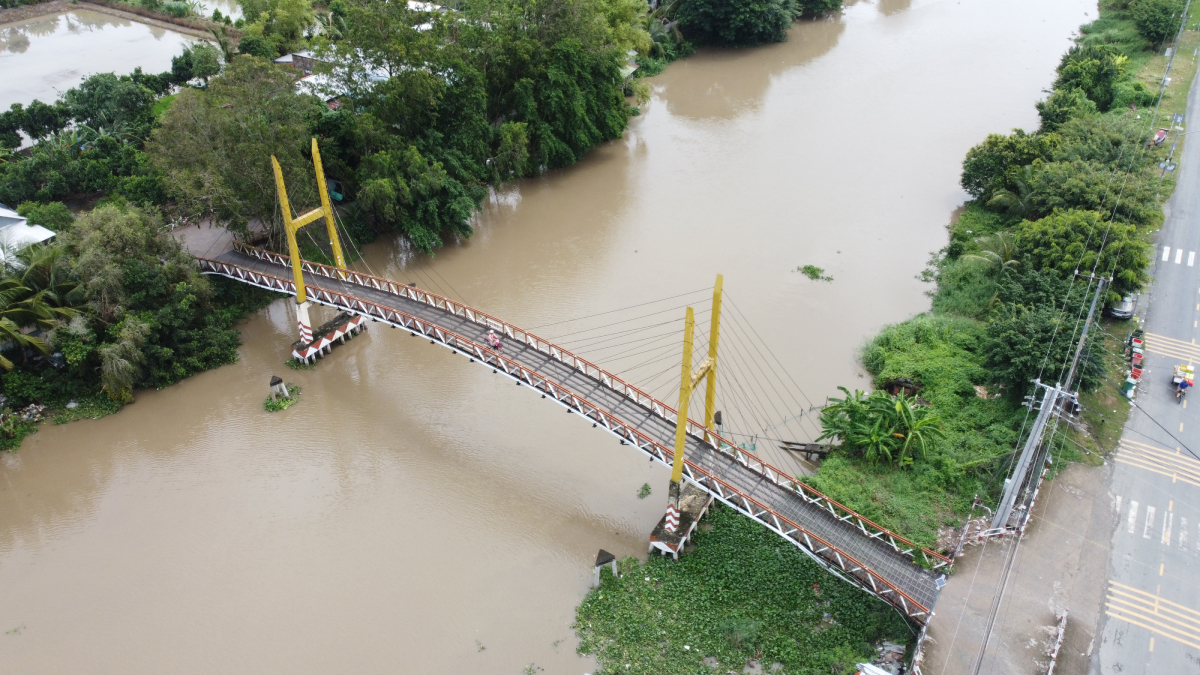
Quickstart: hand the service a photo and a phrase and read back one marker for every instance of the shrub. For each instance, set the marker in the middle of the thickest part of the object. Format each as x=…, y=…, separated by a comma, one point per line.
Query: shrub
x=987, y=166
x=1157, y=20
x=177, y=9
x=737, y=22
x=1072, y=240
x=256, y=46
x=1063, y=105
x=53, y=216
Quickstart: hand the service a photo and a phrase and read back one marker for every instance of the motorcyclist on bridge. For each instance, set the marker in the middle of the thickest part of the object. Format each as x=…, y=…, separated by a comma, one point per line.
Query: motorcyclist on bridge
x=493, y=340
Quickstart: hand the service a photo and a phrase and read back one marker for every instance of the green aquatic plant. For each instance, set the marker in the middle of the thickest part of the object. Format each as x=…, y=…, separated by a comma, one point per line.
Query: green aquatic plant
x=813, y=272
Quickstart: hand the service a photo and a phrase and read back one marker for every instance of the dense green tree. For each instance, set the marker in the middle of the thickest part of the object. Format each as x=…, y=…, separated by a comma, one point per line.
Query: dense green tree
x=53, y=216
x=1073, y=241
x=1027, y=343
x=206, y=61
x=1095, y=187
x=1062, y=106
x=1157, y=20
x=214, y=147
x=256, y=46
x=1093, y=69
x=181, y=68
x=154, y=316
x=281, y=23
x=817, y=7
x=736, y=22
x=989, y=165
x=1110, y=140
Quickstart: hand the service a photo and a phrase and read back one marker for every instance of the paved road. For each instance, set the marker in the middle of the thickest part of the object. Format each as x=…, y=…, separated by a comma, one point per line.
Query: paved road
x=1151, y=610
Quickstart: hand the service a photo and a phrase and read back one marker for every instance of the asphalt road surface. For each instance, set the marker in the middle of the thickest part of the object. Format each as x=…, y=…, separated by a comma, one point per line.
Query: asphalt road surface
x=1151, y=609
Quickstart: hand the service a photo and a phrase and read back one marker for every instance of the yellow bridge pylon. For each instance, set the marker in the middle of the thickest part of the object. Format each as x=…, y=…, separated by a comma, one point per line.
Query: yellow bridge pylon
x=688, y=379
x=292, y=224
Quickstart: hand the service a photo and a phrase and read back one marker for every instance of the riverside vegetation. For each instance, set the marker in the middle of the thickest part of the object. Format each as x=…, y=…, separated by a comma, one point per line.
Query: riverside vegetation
x=743, y=594
x=437, y=104
x=1005, y=304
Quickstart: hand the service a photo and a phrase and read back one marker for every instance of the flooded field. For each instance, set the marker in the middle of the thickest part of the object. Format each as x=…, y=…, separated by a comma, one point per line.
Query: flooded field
x=415, y=514
x=43, y=57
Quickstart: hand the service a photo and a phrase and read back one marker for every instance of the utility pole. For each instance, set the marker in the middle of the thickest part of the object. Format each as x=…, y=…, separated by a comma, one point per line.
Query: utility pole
x=1083, y=336
x=1017, y=479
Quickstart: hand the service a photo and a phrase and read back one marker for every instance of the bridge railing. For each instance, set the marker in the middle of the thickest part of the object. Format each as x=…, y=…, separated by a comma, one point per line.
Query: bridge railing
x=867, y=527
x=719, y=488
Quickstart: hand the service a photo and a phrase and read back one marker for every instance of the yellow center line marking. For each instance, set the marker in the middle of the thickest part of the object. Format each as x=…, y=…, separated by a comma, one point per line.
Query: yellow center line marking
x=1136, y=592
x=1130, y=441
x=1154, y=616
x=1181, y=426
x=1152, y=626
x=1161, y=458
x=1161, y=567
x=1151, y=644
x=1142, y=447
x=1173, y=475
x=1171, y=505
x=1176, y=351
x=1155, y=337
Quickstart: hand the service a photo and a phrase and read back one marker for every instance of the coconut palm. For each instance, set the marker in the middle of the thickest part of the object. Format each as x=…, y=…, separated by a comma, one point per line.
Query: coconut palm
x=224, y=42
x=996, y=251
x=1018, y=203
x=664, y=33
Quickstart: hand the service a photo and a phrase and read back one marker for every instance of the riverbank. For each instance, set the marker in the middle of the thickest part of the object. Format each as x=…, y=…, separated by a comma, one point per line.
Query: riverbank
x=742, y=601
x=1004, y=303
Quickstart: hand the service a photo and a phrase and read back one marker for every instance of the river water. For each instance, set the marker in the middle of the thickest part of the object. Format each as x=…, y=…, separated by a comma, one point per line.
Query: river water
x=414, y=514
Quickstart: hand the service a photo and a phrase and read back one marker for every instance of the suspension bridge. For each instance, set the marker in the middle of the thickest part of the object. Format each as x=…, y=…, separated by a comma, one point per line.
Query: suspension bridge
x=879, y=561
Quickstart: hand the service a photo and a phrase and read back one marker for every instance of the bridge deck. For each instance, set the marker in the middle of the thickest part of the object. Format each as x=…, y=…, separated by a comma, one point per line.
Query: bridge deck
x=847, y=535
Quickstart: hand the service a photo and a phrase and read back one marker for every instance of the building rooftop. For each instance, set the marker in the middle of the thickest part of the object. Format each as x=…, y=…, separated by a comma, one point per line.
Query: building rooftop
x=16, y=233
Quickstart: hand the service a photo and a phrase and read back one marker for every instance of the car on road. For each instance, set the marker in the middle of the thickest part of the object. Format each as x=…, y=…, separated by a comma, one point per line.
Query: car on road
x=1122, y=309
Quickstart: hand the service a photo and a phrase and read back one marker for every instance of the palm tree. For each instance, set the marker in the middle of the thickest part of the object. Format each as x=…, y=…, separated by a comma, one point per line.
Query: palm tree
x=663, y=32
x=1019, y=203
x=54, y=292
x=39, y=291
x=996, y=251
x=224, y=42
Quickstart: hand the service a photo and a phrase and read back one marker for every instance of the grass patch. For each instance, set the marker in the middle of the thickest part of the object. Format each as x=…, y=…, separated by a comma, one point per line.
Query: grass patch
x=162, y=105
x=299, y=365
x=1105, y=410
x=90, y=407
x=276, y=404
x=14, y=427
x=742, y=594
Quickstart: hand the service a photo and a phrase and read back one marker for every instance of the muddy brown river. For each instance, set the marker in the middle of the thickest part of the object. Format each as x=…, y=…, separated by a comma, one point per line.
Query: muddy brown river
x=415, y=514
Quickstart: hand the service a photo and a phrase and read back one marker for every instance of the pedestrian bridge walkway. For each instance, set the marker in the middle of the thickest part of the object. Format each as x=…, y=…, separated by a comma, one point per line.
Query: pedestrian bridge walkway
x=848, y=544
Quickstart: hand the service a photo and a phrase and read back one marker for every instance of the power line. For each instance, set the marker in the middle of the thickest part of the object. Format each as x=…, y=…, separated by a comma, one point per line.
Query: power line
x=621, y=309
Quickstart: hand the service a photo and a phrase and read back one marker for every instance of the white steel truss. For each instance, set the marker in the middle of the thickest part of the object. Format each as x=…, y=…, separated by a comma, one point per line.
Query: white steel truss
x=811, y=543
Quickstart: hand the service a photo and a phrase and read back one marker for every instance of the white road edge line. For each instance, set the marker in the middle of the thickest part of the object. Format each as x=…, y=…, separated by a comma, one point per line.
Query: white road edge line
x=1166, y=253
x=1191, y=258
x=1178, y=256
